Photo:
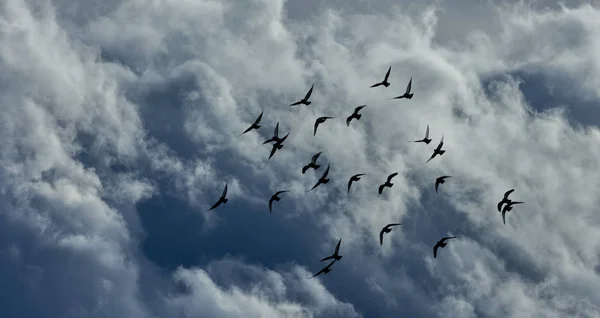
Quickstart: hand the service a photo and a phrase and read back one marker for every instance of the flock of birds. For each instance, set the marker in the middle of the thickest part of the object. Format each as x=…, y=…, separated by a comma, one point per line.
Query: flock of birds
x=505, y=205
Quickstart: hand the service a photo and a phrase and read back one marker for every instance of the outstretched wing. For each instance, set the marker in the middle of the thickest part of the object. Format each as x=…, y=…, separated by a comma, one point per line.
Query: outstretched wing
x=381, y=236
x=507, y=193
x=348, y=120
x=271, y=204
x=273, y=150
x=391, y=176
x=427, y=132
x=357, y=109
x=326, y=172
x=387, y=75
x=337, y=247
x=316, y=126
x=309, y=92
x=350, y=183
x=435, y=248
x=215, y=205
x=381, y=188
x=409, y=86
x=437, y=184
x=224, y=191
x=258, y=118
x=315, y=157
x=276, y=131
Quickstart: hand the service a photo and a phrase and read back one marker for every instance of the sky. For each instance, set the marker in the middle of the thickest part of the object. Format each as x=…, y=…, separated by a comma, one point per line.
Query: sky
x=120, y=124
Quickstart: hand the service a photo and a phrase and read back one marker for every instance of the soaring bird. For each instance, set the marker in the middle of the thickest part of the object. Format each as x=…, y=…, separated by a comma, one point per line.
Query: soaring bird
x=354, y=178
x=426, y=139
x=355, y=115
x=325, y=270
x=323, y=179
x=388, y=183
x=440, y=180
x=386, y=229
x=507, y=208
x=505, y=199
x=385, y=80
x=255, y=125
x=313, y=163
x=275, y=197
x=441, y=244
x=222, y=199
x=278, y=145
x=305, y=100
x=275, y=137
x=319, y=121
x=335, y=256
x=438, y=150
x=407, y=94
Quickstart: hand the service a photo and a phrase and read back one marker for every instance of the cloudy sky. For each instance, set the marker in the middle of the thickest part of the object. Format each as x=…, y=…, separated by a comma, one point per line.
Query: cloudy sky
x=119, y=124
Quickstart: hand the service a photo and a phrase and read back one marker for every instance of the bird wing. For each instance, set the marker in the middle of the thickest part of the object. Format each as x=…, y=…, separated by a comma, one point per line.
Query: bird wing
x=324, y=269
x=224, y=191
x=268, y=141
x=504, y=216
x=435, y=248
x=393, y=224
x=348, y=120
x=337, y=247
x=427, y=132
x=316, y=185
x=316, y=126
x=447, y=238
x=387, y=74
x=326, y=172
x=500, y=205
x=350, y=183
x=432, y=156
x=296, y=103
x=305, y=168
x=375, y=85
x=441, y=143
x=507, y=193
x=282, y=191
x=315, y=157
x=409, y=86
x=215, y=205
x=309, y=92
x=381, y=188
x=326, y=258
x=357, y=109
x=437, y=184
x=276, y=131
x=283, y=139
x=273, y=150
x=391, y=176
x=515, y=202
x=247, y=130
x=271, y=204
x=381, y=236
x=259, y=118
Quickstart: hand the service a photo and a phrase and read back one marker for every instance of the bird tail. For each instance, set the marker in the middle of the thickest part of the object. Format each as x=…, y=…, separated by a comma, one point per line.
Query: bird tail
x=307, y=103
x=409, y=96
x=325, y=181
x=225, y=200
x=442, y=152
x=358, y=116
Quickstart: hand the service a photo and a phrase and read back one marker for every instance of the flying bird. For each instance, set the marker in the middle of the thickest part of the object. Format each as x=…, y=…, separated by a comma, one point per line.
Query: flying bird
x=323, y=179
x=441, y=244
x=278, y=145
x=255, y=125
x=507, y=208
x=426, y=139
x=275, y=197
x=222, y=199
x=385, y=80
x=354, y=178
x=313, y=163
x=407, y=94
x=438, y=150
x=505, y=199
x=386, y=229
x=440, y=180
x=275, y=137
x=355, y=115
x=305, y=100
x=388, y=183
x=336, y=256
x=319, y=121
x=325, y=270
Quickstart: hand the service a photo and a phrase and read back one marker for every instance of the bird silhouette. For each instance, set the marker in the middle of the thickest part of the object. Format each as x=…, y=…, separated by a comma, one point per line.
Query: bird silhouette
x=255, y=125
x=388, y=183
x=305, y=100
x=355, y=115
x=441, y=244
x=505, y=199
x=313, y=163
x=319, y=121
x=385, y=80
x=386, y=229
x=323, y=179
x=440, y=180
x=325, y=270
x=407, y=94
x=354, y=178
x=438, y=150
x=222, y=199
x=426, y=139
x=508, y=208
x=275, y=197
x=335, y=256
x=275, y=137
x=278, y=145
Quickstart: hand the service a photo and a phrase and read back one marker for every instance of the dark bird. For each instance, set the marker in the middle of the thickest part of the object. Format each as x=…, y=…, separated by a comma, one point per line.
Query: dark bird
x=313, y=163
x=388, y=183
x=354, y=178
x=441, y=244
x=305, y=99
x=426, y=139
x=325, y=270
x=385, y=79
x=440, y=180
x=336, y=256
x=275, y=137
x=319, y=121
x=438, y=150
x=255, y=125
x=278, y=145
x=407, y=94
x=355, y=115
x=222, y=199
x=508, y=208
x=386, y=229
x=275, y=197
x=505, y=199
x=323, y=179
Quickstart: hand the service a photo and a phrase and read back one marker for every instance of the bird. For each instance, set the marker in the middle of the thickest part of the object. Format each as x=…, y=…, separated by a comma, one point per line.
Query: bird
x=388, y=183
x=255, y=125
x=505, y=199
x=275, y=197
x=322, y=180
x=355, y=115
x=275, y=137
x=407, y=94
x=440, y=180
x=385, y=79
x=278, y=145
x=325, y=270
x=507, y=208
x=386, y=229
x=441, y=244
x=438, y=150
x=336, y=256
x=319, y=121
x=313, y=163
x=426, y=140
x=222, y=199
x=354, y=178
x=305, y=100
